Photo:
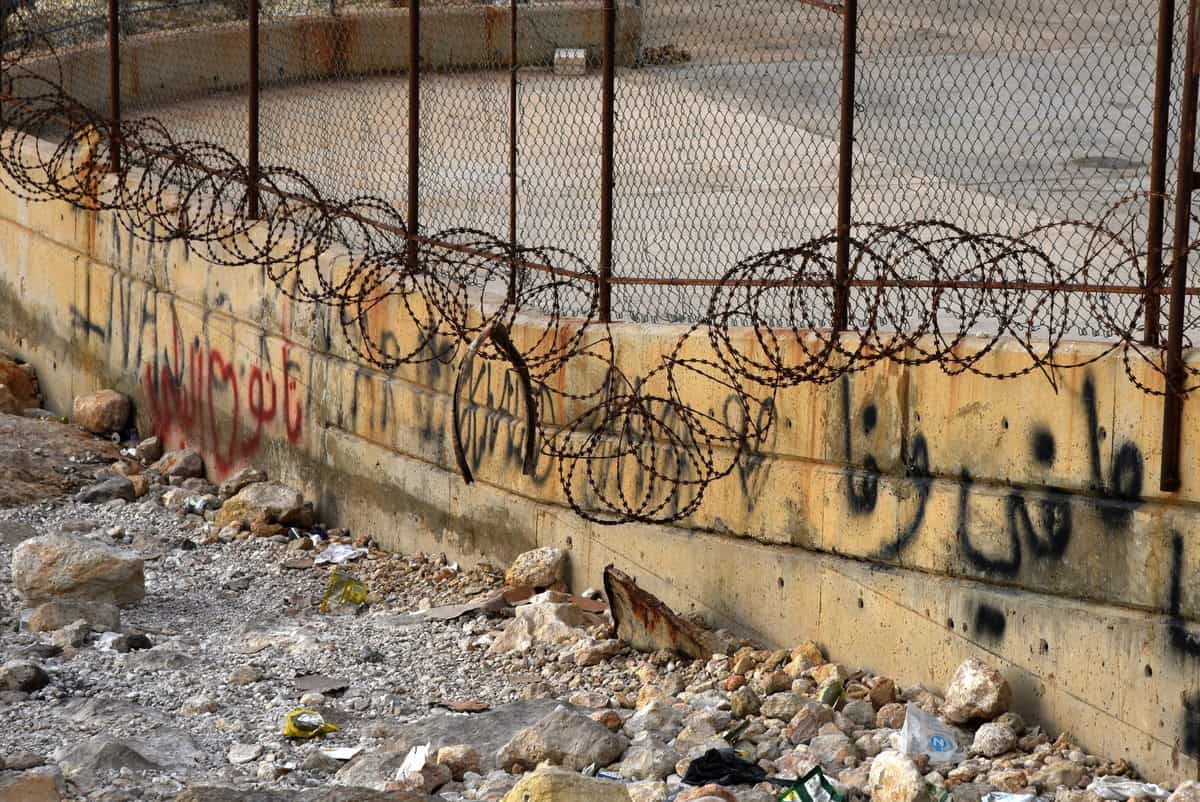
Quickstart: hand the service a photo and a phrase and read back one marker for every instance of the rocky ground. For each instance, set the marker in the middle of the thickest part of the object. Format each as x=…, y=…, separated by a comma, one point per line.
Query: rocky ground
x=157, y=631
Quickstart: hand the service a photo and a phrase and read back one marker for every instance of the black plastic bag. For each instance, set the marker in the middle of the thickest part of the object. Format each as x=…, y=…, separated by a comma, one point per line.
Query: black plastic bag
x=723, y=767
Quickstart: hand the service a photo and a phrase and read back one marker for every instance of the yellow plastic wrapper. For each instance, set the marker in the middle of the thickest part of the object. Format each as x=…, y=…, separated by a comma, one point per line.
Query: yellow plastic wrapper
x=305, y=723
x=343, y=589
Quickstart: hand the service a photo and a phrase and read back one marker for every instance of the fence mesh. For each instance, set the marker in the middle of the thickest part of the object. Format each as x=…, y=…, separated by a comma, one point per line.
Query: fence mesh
x=1000, y=168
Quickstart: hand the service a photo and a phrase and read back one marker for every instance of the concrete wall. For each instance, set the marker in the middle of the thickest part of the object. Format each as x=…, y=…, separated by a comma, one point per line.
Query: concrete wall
x=903, y=517
x=315, y=48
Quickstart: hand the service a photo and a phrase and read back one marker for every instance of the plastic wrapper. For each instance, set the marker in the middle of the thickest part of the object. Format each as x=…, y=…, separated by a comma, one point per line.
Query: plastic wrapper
x=925, y=734
x=305, y=723
x=343, y=589
x=1113, y=787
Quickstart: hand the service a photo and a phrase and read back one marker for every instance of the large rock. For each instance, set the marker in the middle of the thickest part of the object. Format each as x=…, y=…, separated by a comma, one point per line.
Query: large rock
x=555, y=785
x=994, y=739
x=101, y=412
x=895, y=778
x=43, y=784
x=85, y=761
x=272, y=502
x=541, y=569
x=21, y=675
x=239, y=481
x=564, y=738
x=976, y=691
x=547, y=622
x=183, y=464
x=59, y=613
x=807, y=721
x=22, y=383
x=649, y=757
x=67, y=565
x=113, y=487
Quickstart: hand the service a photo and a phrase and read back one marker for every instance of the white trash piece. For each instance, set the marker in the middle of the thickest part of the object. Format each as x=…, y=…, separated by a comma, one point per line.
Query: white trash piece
x=339, y=553
x=924, y=734
x=1114, y=787
x=1001, y=796
x=414, y=761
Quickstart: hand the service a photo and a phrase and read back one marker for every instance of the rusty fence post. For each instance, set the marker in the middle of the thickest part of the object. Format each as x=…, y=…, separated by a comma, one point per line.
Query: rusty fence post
x=1158, y=169
x=512, y=153
x=414, y=131
x=114, y=84
x=1175, y=374
x=252, y=190
x=841, y=291
x=608, y=68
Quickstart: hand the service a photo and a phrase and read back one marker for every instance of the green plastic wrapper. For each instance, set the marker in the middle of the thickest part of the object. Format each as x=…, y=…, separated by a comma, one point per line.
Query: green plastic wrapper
x=812, y=787
x=343, y=589
x=305, y=723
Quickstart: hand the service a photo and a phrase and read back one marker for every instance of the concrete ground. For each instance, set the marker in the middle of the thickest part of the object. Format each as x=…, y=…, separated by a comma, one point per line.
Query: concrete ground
x=990, y=117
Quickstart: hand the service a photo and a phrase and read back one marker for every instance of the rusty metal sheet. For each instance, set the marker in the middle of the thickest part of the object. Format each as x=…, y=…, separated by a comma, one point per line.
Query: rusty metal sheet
x=646, y=623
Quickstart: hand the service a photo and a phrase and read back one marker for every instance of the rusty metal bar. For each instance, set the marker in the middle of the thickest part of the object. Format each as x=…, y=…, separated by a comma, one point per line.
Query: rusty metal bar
x=608, y=67
x=834, y=7
x=414, y=131
x=1158, y=166
x=252, y=164
x=114, y=83
x=841, y=292
x=512, y=152
x=1169, y=477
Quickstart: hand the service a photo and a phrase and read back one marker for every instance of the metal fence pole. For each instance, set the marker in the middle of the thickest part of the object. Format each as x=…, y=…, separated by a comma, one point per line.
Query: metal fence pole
x=1158, y=168
x=114, y=83
x=1173, y=399
x=512, y=153
x=252, y=191
x=841, y=292
x=608, y=66
x=414, y=130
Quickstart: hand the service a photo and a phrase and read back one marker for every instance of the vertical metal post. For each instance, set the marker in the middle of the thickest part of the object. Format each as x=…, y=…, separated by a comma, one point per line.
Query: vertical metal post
x=608, y=67
x=1173, y=399
x=252, y=191
x=1158, y=168
x=414, y=130
x=512, y=152
x=841, y=291
x=114, y=83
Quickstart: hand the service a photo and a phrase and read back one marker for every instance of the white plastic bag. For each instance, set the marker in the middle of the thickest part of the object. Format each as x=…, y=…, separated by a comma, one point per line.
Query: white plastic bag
x=1113, y=787
x=924, y=734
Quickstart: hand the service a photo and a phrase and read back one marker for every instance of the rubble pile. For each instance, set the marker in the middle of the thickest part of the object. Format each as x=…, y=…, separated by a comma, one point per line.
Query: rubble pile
x=165, y=637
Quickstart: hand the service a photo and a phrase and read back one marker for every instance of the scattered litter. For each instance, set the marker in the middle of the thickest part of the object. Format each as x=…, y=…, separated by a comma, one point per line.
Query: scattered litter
x=319, y=683
x=465, y=707
x=106, y=640
x=339, y=553
x=1113, y=787
x=305, y=723
x=343, y=589
x=723, y=767
x=924, y=734
x=414, y=761
x=342, y=753
x=812, y=787
x=1002, y=796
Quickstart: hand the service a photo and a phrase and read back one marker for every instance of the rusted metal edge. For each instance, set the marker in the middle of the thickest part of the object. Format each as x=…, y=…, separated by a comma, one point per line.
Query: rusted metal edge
x=647, y=624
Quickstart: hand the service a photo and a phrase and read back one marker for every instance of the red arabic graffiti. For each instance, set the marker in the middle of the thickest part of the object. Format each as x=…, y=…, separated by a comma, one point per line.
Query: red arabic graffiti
x=185, y=394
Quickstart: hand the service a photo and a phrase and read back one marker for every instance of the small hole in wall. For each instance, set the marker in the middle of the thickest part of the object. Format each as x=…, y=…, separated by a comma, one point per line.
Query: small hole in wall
x=1149, y=671
x=949, y=623
x=781, y=582
x=1043, y=647
x=860, y=603
x=1004, y=422
x=570, y=543
x=964, y=626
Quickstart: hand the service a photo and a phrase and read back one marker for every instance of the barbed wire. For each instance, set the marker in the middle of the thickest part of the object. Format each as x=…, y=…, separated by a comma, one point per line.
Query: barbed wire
x=633, y=447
